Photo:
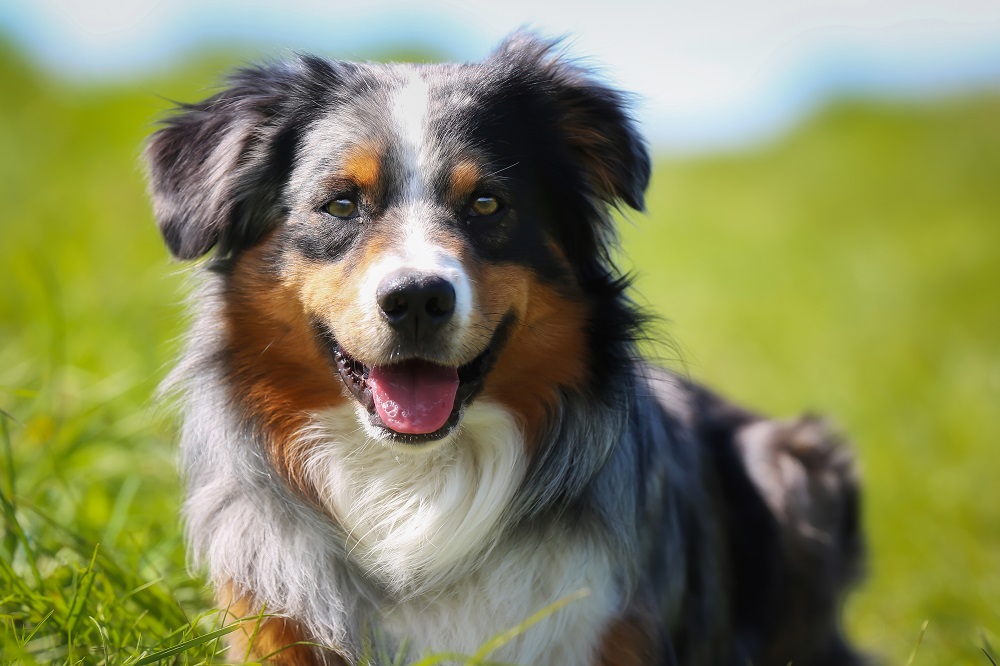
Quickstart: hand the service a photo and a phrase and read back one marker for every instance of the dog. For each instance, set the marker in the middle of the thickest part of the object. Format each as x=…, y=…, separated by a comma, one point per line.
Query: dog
x=413, y=411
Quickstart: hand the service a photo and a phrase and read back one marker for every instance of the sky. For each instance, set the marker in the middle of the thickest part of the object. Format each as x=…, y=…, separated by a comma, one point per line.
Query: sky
x=708, y=74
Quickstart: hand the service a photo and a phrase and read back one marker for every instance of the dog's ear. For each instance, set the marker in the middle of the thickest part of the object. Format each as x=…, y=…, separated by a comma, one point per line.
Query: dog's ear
x=593, y=119
x=216, y=167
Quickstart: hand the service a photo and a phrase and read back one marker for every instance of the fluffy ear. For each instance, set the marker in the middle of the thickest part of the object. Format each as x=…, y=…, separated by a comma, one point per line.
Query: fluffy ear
x=215, y=168
x=593, y=119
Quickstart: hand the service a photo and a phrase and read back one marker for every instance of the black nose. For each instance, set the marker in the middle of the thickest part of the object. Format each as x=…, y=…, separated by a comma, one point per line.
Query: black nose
x=416, y=304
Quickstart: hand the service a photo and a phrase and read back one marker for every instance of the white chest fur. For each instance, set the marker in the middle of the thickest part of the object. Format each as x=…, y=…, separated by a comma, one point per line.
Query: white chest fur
x=413, y=516
x=426, y=525
x=511, y=587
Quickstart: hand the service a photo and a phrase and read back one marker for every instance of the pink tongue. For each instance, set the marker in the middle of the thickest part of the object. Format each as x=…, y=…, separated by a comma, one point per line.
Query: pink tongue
x=413, y=397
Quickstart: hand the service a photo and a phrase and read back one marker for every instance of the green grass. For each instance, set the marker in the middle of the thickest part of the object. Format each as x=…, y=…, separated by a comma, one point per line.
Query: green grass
x=853, y=268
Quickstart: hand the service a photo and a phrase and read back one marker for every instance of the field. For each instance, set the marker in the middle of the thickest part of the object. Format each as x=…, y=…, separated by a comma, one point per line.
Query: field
x=852, y=268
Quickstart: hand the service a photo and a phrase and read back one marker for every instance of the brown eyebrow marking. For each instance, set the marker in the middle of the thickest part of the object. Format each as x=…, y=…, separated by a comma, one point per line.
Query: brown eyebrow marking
x=465, y=178
x=363, y=165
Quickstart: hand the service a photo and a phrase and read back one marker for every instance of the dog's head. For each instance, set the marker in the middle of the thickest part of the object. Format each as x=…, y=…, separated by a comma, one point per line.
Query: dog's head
x=406, y=237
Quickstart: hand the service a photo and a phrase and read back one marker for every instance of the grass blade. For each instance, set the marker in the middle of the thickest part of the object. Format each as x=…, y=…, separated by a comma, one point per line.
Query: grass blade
x=80, y=595
x=259, y=620
x=8, y=451
x=15, y=527
x=180, y=648
x=920, y=639
x=38, y=626
x=505, y=637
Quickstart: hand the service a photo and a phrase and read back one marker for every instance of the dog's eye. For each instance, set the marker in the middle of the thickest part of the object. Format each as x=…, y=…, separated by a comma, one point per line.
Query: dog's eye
x=484, y=206
x=343, y=207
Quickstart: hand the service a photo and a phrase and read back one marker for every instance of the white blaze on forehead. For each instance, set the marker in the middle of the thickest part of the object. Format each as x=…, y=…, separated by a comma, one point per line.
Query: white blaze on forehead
x=409, y=112
x=417, y=249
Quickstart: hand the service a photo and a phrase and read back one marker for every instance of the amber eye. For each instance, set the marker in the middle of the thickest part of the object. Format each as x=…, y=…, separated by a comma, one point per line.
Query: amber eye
x=341, y=207
x=484, y=206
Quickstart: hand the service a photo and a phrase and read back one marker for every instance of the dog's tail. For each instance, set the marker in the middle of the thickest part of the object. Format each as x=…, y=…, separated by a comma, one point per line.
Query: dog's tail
x=789, y=491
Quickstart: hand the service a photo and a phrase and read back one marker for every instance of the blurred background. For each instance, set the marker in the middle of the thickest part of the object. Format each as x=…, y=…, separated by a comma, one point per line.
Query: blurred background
x=822, y=233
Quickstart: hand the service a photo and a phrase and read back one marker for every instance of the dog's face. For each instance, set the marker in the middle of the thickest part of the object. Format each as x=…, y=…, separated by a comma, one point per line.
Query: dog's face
x=406, y=238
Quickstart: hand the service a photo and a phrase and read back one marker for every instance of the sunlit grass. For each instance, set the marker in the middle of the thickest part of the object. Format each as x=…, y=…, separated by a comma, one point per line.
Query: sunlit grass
x=854, y=268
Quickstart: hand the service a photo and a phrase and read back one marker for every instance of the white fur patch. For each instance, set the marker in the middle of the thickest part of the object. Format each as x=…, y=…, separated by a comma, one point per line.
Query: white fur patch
x=414, y=518
x=416, y=249
x=519, y=580
x=409, y=111
x=422, y=523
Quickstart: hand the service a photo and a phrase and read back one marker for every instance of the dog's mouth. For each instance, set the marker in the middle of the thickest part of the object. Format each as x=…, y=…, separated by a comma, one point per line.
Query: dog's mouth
x=414, y=400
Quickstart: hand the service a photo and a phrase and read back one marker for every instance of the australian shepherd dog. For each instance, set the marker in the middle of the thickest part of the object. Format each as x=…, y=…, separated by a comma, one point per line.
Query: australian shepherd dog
x=414, y=415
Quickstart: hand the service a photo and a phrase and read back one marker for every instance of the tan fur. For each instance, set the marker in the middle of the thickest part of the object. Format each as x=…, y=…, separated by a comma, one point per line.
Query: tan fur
x=278, y=367
x=331, y=291
x=590, y=140
x=629, y=642
x=276, y=640
x=546, y=349
x=363, y=166
x=465, y=177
